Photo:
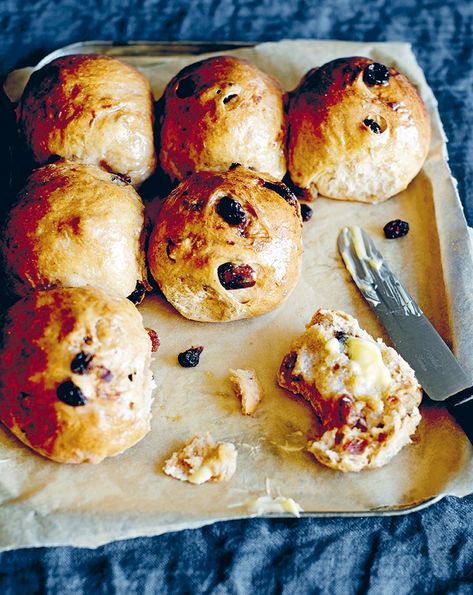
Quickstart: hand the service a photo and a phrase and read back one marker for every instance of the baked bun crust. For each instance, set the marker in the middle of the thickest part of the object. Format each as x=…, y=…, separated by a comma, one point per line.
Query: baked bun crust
x=92, y=109
x=75, y=378
x=221, y=111
x=227, y=245
x=75, y=225
x=358, y=131
x=364, y=394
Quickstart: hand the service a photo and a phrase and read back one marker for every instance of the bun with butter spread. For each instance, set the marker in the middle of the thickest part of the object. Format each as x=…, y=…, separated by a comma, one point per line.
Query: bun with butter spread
x=364, y=394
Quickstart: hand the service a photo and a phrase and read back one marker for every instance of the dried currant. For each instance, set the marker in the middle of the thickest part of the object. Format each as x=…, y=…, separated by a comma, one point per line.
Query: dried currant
x=69, y=393
x=376, y=74
x=372, y=125
x=344, y=408
x=290, y=360
x=236, y=276
x=396, y=229
x=306, y=212
x=80, y=363
x=283, y=191
x=356, y=446
x=190, y=358
x=107, y=375
x=341, y=336
x=137, y=296
x=229, y=97
x=231, y=211
x=185, y=88
x=121, y=179
x=153, y=335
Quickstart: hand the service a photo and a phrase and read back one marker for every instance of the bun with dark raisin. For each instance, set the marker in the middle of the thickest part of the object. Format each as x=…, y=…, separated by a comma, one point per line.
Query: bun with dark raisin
x=364, y=394
x=75, y=378
x=220, y=111
x=227, y=245
x=358, y=131
x=75, y=225
x=92, y=109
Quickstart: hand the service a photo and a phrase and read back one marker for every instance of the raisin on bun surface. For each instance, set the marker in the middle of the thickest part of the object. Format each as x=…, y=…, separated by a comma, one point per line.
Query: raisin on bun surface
x=75, y=377
x=220, y=111
x=359, y=130
x=227, y=245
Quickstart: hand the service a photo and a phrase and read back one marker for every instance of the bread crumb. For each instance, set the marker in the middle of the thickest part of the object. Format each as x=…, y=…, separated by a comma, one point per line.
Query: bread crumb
x=202, y=459
x=247, y=388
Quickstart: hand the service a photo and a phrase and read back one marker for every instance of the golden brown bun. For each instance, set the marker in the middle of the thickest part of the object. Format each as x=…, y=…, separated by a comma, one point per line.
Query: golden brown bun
x=75, y=378
x=92, y=109
x=237, y=229
x=358, y=131
x=75, y=225
x=368, y=406
x=221, y=111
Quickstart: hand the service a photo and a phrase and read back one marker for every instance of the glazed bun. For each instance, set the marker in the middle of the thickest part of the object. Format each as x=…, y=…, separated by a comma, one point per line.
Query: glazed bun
x=227, y=245
x=364, y=394
x=222, y=111
x=358, y=131
x=92, y=109
x=75, y=225
x=75, y=378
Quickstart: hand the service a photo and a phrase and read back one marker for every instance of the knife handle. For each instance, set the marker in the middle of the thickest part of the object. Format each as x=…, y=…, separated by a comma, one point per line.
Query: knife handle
x=461, y=407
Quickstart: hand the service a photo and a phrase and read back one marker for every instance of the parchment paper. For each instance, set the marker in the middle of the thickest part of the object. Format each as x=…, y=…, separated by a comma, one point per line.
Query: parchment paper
x=45, y=503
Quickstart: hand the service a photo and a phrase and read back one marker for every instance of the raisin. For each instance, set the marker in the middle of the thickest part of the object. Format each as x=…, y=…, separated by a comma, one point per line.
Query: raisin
x=341, y=336
x=234, y=165
x=233, y=276
x=396, y=229
x=153, y=335
x=190, y=358
x=121, y=179
x=361, y=424
x=290, y=360
x=283, y=191
x=306, y=212
x=344, y=407
x=229, y=97
x=376, y=74
x=185, y=88
x=69, y=393
x=231, y=211
x=80, y=363
x=107, y=375
x=137, y=296
x=372, y=125
x=356, y=446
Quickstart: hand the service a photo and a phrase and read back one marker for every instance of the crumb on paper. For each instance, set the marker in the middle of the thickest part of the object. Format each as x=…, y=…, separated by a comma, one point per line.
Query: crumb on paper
x=267, y=503
x=202, y=459
x=247, y=388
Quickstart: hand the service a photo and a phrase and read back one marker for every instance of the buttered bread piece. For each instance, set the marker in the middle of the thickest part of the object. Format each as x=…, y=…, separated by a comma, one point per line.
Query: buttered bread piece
x=364, y=394
x=202, y=459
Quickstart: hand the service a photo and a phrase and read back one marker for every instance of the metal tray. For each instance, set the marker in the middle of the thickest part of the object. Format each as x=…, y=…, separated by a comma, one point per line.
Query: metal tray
x=46, y=527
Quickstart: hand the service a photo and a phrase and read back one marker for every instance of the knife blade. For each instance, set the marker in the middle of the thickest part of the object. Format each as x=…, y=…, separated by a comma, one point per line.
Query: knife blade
x=415, y=338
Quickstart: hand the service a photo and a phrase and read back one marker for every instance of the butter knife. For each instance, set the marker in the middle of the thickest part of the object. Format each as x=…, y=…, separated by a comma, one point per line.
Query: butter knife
x=439, y=372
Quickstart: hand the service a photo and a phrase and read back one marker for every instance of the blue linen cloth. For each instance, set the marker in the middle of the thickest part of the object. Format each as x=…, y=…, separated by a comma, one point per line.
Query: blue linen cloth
x=424, y=552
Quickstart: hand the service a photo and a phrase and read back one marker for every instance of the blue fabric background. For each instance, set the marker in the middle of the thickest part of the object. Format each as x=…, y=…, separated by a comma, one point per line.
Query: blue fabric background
x=426, y=552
